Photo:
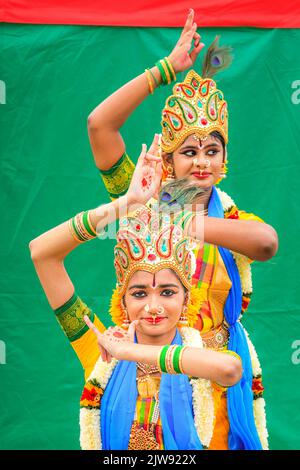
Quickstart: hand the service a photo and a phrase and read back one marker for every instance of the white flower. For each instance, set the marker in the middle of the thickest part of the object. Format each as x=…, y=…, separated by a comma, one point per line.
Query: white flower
x=261, y=421
x=226, y=201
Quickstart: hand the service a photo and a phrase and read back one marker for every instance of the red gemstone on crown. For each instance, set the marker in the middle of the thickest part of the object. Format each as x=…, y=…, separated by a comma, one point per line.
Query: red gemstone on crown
x=144, y=182
x=190, y=115
x=203, y=122
x=151, y=257
x=212, y=112
x=138, y=227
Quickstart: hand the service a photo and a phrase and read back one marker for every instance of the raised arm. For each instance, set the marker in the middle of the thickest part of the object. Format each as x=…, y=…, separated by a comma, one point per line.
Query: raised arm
x=49, y=250
x=108, y=117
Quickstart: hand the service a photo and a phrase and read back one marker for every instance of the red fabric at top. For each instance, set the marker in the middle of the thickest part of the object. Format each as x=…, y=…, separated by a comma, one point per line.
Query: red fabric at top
x=168, y=13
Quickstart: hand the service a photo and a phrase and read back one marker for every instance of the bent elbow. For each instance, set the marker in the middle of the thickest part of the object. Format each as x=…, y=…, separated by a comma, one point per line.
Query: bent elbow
x=268, y=244
x=93, y=124
x=35, y=251
x=233, y=373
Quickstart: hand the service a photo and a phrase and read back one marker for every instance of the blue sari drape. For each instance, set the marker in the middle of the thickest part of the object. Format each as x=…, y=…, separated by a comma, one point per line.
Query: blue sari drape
x=243, y=433
x=175, y=401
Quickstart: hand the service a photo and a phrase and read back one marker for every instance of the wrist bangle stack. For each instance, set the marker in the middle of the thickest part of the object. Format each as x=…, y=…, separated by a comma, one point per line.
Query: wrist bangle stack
x=149, y=79
x=81, y=227
x=170, y=359
x=166, y=70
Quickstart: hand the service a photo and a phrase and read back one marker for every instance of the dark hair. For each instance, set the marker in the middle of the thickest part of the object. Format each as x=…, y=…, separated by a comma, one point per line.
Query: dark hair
x=217, y=135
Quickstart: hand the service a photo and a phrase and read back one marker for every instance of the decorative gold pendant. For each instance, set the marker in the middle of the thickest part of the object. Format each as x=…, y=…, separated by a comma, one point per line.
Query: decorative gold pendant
x=141, y=439
x=148, y=386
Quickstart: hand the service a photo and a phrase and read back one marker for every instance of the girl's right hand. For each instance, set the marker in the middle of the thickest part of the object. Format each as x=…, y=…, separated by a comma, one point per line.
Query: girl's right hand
x=181, y=58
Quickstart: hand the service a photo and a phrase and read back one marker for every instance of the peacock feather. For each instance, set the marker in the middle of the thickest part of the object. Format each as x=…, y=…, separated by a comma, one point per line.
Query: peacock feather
x=217, y=58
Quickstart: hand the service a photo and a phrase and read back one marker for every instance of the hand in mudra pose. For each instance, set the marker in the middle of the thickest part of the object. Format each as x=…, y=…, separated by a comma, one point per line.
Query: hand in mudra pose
x=182, y=57
x=147, y=175
x=114, y=341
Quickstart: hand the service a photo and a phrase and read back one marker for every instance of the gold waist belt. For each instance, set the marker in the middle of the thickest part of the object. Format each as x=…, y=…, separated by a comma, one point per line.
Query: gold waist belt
x=216, y=338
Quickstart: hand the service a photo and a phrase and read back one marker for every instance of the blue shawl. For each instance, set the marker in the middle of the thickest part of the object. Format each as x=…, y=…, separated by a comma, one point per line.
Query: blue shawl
x=175, y=401
x=243, y=433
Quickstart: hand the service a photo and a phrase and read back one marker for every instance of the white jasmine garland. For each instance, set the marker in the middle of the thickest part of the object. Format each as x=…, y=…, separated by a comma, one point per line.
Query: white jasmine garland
x=89, y=421
x=260, y=421
x=203, y=404
x=259, y=403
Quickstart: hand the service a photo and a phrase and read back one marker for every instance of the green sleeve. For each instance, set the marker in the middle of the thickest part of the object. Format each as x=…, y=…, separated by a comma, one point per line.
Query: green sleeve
x=70, y=317
x=117, y=179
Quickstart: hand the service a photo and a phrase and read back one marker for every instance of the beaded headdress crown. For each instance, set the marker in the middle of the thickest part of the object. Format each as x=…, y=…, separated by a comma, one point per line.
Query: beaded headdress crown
x=197, y=106
x=148, y=242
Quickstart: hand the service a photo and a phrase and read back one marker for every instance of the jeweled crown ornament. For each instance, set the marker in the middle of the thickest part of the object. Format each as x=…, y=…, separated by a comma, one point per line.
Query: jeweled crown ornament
x=197, y=106
x=149, y=242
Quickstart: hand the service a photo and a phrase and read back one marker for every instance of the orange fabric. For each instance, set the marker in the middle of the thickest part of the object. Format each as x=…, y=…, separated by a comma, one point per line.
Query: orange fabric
x=220, y=436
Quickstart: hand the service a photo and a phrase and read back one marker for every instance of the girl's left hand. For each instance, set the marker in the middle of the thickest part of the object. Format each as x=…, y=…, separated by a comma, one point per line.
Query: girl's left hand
x=114, y=342
x=147, y=175
x=186, y=51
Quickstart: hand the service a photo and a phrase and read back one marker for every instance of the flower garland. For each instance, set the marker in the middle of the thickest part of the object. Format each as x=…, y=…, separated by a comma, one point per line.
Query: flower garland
x=244, y=269
x=202, y=392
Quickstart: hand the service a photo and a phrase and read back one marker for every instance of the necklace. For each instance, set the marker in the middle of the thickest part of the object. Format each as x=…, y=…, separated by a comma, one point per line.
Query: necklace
x=147, y=385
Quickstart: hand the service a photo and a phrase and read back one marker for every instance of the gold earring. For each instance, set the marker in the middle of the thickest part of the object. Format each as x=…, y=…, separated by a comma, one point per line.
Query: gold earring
x=126, y=321
x=183, y=320
x=170, y=173
x=223, y=172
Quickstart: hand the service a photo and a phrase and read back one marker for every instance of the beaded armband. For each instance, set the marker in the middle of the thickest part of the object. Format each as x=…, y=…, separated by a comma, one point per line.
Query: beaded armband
x=117, y=179
x=70, y=317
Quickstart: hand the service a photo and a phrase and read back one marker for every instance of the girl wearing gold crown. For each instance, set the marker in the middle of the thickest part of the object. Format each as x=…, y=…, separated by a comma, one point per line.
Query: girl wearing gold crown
x=160, y=388
x=193, y=144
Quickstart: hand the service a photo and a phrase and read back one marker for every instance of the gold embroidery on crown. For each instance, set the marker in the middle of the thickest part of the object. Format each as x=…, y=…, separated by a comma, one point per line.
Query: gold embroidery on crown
x=149, y=242
x=197, y=107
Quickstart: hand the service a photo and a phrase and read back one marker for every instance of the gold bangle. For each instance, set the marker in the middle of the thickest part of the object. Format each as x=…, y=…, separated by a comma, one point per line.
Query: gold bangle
x=171, y=67
x=80, y=227
x=90, y=224
x=72, y=232
x=180, y=359
x=149, y=79
x=169, y=359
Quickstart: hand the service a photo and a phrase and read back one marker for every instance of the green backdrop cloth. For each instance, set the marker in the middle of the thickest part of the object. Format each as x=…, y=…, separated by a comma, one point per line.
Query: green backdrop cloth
x=51, y=79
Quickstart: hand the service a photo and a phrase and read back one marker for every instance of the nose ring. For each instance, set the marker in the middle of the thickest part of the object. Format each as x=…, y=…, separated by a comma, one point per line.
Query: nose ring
x=207, y=162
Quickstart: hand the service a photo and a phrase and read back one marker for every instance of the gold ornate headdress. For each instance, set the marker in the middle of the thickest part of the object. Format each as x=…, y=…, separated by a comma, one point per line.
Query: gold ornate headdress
x=148, y=241
x=197, y=106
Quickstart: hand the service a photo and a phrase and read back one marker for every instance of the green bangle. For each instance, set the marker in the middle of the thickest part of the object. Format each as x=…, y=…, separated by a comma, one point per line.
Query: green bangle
x=86, y=224
x=176, y=356
x=76, y=231
x=162, y=72
x=162, y=358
